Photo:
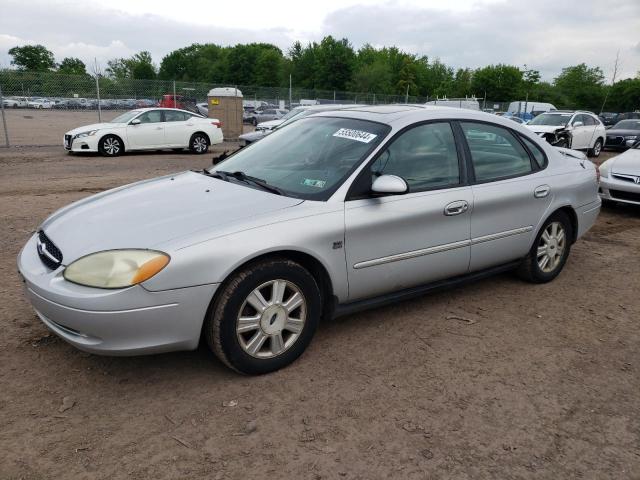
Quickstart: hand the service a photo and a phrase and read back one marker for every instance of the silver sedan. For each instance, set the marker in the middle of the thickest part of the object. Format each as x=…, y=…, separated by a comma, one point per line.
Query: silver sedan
x=340, y=211
x=620, y=177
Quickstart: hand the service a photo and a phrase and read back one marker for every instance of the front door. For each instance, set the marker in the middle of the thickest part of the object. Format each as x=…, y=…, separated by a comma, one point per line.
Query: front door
x=149, y=133
x=510, y=194
x=400, y=241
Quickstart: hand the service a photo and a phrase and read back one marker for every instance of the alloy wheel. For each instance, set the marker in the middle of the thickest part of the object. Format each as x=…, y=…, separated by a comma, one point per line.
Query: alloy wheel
x=551, y=247
x=271, y=319
x=199, y=144
x=111, y=146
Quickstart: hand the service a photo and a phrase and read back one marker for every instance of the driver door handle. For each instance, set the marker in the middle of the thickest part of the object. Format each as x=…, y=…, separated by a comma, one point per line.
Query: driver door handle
x=541, y=191
x=456, y=208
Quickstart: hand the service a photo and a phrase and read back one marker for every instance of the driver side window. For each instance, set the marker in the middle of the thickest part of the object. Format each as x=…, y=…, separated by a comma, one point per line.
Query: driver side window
x=425, y=156
x=153, y=116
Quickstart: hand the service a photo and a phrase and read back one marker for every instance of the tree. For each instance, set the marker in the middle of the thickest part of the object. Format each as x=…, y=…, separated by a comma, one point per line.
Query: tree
x=33, y=58
x=583, y=86
x=334, y=63
x=624, y=95
x=72, y=66
x=499, y=82
x=139, y=66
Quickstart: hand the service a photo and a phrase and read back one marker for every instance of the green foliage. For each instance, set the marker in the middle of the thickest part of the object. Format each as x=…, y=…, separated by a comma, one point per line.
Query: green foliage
x=72, y=66
x=497, y=81
x=582, y=85
x=35, y=58
x=328, y=66
x=139, y=66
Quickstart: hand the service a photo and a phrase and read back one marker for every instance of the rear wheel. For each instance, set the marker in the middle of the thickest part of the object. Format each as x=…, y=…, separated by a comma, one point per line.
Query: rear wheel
x=199, y=143
x=550, y=250
x=595, y=151
x=264, y=317
x=110, y=146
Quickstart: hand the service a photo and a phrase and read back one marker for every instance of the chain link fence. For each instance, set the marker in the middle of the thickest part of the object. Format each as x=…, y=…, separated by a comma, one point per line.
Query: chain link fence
x=73, y=100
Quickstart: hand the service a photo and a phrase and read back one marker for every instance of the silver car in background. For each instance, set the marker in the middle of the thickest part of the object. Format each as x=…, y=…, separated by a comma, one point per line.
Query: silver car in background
x=340, y=211
x=620, y=177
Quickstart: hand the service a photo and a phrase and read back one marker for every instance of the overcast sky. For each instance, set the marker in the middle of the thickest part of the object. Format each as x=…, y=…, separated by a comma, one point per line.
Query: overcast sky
x=545, y=35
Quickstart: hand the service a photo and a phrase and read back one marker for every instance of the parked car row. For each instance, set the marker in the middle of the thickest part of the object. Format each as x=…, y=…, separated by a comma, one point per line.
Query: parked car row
x=80, y=103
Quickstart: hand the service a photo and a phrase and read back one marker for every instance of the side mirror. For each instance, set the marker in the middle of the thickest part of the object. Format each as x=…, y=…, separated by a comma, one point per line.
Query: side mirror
x=390, y=184
x=578, y=124
x=135, y=121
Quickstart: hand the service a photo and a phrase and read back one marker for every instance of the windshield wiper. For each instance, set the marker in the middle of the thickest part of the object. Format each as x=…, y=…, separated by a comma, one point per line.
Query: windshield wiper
x=243, y=177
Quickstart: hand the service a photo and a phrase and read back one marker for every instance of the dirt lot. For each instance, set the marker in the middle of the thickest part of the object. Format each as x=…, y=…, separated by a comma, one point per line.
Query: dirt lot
x=542, y=382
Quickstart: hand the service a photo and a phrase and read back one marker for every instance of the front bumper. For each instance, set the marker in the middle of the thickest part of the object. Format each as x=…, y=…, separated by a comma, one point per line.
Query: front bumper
x=614, y=189
x=83, y=144
x=129, y=321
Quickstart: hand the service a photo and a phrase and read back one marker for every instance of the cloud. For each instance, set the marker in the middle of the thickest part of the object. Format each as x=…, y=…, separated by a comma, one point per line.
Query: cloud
x=546, y=35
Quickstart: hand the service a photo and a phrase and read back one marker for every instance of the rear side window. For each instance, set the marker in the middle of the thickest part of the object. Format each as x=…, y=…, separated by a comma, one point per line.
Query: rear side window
x=495, y=152
x=538, y=155
x=175, y=116
x=425, y=156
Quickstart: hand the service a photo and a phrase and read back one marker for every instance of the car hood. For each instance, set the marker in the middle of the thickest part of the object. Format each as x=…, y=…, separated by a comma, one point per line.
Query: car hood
x=628, y=163
x=254, y=136
x=545, y=128
x=622, y=132
x=95, y=126
x=149, y=213
x=270, y=124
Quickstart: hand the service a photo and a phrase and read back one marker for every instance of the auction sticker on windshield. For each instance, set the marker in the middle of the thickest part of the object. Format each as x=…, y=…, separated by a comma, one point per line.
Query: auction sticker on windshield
x=308, y=182
x=357, y=135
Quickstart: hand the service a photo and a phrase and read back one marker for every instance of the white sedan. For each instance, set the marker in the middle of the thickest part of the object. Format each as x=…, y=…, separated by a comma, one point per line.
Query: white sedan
x=146, y=129
x=40, y=103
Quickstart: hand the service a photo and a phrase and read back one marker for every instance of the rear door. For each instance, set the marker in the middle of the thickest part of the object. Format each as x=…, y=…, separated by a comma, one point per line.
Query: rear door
x=149, y=133
x=510, y=193
x=399, y=241
x=176, y=129
x=581, y=131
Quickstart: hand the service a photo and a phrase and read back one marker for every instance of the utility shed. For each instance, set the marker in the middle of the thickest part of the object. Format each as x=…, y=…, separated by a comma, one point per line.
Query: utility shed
x=225, y=104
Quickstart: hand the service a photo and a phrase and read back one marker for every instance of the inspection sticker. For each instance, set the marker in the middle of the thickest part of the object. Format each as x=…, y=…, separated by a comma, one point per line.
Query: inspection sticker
x=308, y=182
x=357, y=135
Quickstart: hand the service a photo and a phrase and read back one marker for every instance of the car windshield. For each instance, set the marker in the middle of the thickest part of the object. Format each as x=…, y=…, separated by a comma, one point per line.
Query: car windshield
x=627, y=125
x=292, y=114
x=309, y=159
x=551, y=119
x=125, y=117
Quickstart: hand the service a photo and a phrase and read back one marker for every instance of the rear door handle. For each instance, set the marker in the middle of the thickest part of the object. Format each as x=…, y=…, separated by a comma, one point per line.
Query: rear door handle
x=541, y=191
x=456, y=208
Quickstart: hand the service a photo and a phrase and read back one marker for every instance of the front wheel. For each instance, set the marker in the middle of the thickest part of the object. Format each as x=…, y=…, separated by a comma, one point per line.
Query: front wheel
x=550, y=250
x=264, y=317
x=199, y=143
x=595, y=151
x=110, y=146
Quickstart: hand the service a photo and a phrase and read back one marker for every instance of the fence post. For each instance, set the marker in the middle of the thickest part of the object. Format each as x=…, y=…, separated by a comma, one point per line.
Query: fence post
x=98, y=95
x=175, y=105
x=4, y=120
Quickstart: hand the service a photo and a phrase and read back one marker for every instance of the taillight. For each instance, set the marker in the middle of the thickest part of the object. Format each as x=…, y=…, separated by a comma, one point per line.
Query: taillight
x=217, y=124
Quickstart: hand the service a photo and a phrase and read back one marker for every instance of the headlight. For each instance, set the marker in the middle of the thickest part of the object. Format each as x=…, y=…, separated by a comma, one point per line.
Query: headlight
x=604, y=169
x=116, y=268
x=90, y=133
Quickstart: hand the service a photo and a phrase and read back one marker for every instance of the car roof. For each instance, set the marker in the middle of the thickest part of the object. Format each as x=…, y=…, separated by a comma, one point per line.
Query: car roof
x=400, y=115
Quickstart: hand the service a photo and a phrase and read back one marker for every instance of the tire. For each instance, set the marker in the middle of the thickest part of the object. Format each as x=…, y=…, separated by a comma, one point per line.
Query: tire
x=274, y=338
x=533, y=268
x=254, y=121
x=596, y=150
x=199, y=143
x=111, y=146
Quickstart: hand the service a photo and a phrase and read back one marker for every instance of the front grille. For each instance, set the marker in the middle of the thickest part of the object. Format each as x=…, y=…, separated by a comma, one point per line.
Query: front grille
x=622, y=195
x=613, y=141
x=625, y=178
x=50, y=255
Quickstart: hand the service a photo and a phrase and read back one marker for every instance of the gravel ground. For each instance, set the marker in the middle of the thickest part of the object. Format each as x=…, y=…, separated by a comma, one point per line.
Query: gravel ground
x=496, y=379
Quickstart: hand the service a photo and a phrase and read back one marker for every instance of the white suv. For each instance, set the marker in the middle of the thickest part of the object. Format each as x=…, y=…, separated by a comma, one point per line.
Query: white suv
x=571, y=129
